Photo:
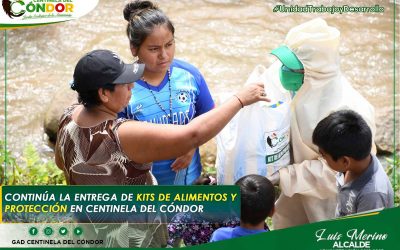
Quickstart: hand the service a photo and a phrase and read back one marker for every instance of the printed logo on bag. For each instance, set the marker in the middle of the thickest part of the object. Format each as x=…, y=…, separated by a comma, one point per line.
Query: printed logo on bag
x=277, y=145
x=272, y=140
x=25, y=13
x=355, y=238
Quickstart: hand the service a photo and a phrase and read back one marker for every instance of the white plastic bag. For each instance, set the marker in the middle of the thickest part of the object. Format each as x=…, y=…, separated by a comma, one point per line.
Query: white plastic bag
x=256, y=140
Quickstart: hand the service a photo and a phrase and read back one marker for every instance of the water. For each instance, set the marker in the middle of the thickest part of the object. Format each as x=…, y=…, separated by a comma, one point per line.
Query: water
x=225, y=39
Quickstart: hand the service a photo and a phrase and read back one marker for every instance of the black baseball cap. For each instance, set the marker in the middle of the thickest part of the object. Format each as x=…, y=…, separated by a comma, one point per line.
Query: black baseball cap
x=101, y=67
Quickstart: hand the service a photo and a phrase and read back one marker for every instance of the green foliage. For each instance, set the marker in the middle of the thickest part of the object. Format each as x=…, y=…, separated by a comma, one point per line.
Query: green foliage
x=9, y=168
x=208, y=163
x=393, y=171
x=33, y=169
x=40, y=171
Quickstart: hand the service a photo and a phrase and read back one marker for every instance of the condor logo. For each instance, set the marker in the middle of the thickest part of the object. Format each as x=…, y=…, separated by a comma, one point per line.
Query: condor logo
x=7, y=7
x=17, y=8
x=17, y=13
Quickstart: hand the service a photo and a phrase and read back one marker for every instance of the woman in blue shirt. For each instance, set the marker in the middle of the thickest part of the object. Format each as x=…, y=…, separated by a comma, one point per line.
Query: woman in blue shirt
x=171, y=91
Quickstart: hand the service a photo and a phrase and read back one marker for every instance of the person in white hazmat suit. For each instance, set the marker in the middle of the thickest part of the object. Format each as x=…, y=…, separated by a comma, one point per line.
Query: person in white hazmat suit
x=310, y=67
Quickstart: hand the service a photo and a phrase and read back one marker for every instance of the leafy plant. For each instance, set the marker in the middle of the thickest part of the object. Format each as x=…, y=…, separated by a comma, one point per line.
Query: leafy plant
x=32, y=169
x=40, y=171
x=9, y=169
x=393, y=171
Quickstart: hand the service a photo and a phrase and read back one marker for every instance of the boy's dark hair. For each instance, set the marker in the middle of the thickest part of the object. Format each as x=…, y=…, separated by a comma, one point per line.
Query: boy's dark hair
x=90, y=98
x=343, y=133
x=257, y=198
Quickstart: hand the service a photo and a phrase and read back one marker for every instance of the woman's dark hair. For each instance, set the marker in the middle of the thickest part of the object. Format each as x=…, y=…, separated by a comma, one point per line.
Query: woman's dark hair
x=90, y=98
x=142, y=17
x=343, y=133
x=257, y=198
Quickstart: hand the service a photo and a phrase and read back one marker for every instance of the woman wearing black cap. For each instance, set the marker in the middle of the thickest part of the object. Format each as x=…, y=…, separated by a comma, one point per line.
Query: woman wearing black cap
x=94, y=147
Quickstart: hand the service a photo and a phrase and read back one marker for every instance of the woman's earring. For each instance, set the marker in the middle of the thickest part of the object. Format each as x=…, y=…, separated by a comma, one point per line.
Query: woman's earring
x=135, y=59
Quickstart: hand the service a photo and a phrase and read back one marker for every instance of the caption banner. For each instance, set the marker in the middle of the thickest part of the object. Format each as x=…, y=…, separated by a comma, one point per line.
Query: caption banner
x=115, y=204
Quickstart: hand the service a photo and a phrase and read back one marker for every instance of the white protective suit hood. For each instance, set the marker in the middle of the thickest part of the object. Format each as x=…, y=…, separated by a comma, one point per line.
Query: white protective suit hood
x=308, y=189
x=324, y=89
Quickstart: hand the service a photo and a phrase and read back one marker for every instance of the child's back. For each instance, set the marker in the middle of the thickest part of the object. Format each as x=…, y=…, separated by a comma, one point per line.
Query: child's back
x=257, y=198
x=225, y=233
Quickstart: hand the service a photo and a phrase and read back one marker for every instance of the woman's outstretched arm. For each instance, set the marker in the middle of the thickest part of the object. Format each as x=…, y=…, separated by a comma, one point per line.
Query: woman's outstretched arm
x=146, y=142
